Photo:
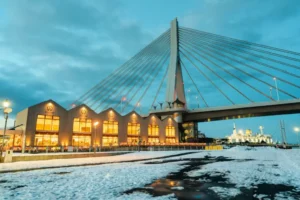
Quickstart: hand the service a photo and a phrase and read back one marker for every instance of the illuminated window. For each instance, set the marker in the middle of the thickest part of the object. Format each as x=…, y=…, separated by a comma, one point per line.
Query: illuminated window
x=47, y=123
x=110, y=127
x=133, y=129
x=132, y=140
x=110, y=141
x=154, y=140
x=170, y=131
x=81, y=140
x=46, y=139
x=170, y=140
x=153, y=130
x=82, y=125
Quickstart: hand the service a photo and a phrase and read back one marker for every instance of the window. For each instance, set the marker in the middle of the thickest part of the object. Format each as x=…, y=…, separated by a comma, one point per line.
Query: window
x=170, y=140
x=153, y=130
x=132, y=140
x=110, y=127
x=153, y=140
x=81, y=140
x=170, y=131
x=47, y=123
x=46, y=139
x=82, y=125
x=110, y=141
x=133, y=129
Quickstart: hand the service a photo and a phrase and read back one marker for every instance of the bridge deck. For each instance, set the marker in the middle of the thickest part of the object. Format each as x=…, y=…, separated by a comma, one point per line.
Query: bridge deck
x=236, y=111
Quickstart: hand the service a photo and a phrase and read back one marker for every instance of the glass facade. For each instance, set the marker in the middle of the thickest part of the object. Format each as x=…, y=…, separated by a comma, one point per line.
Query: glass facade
x=46, y=139
x=154, y=140
x=133, y=129
x=110, y=141
x=82, y=125
x=170, y=131
x=170, y=140
x=110, y=127
x=132, y=140
x=81, y=140
x=153, y=130
x=47, y=123
x=15, y=140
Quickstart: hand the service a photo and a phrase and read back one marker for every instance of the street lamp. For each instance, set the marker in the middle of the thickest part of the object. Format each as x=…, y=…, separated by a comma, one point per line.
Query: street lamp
x=6, y=111
x=276, y=86
x=139, y=106
x=188, y=96
x=95, y=133
x=197, y=100
x=271, y=92
x=296, y=129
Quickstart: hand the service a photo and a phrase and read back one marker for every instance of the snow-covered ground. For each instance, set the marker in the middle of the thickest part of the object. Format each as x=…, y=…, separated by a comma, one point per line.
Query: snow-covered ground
x=85, y=161
x=92, y=182
x=109, y=181
x=269, y=165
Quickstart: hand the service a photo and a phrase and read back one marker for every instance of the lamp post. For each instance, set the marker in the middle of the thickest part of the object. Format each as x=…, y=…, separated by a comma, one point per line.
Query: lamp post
x=188, y=97
x=122, y=99
x=197, y=101
x=296, y=129
x=276, y=86
x=139, y=106
x=95, y=133
x=271, y=92
x=6, y=111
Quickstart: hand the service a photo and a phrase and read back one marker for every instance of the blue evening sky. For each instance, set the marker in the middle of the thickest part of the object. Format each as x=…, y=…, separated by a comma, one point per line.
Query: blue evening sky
x=59, y=49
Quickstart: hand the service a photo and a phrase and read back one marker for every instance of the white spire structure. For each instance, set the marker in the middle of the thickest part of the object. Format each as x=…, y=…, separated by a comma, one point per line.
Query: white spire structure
x=261, y=129
x=234, y=128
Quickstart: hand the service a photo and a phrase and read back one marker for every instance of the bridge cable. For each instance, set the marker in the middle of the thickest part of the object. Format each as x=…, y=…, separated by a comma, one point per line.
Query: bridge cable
x=246, y=58
x=117, y=71
x=163, y=58
x=247, y=42
x=153, y=77
x=145, y=70
x=207, y=78
x=136, y=74
x=240, y=47
x=193, y=83
x=130, y=69
x=217, y=74
x=160, y=86
x=130, y=74
x=131, y=77
x=206, y=53
x=252, y=67
x=225, y=70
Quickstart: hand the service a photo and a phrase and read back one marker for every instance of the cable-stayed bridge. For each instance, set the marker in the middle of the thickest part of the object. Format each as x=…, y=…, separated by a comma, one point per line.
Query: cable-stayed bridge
x=199, y=76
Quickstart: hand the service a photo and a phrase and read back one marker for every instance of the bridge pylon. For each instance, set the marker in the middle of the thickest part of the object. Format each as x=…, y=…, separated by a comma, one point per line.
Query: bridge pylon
x=175, y=85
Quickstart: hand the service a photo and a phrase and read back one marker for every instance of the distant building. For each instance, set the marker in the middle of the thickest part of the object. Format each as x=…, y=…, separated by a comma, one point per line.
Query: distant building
x=248, y=136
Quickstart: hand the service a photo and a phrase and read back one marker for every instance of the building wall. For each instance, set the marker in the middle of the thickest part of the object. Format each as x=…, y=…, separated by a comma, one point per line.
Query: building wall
x=46, y=108
x=82, y=112
x=21, y=118
x=134, y=117
x=29, y=118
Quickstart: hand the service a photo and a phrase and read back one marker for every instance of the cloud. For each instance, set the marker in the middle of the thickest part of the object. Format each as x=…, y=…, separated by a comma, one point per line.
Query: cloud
x=60, y=49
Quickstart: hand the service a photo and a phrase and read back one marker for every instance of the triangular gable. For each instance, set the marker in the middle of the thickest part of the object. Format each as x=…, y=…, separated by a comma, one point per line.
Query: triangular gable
x=48, y=101
x=150, y=116
x=107, y=110
x=133, y=112
x=82, y=105
x=169, y=118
